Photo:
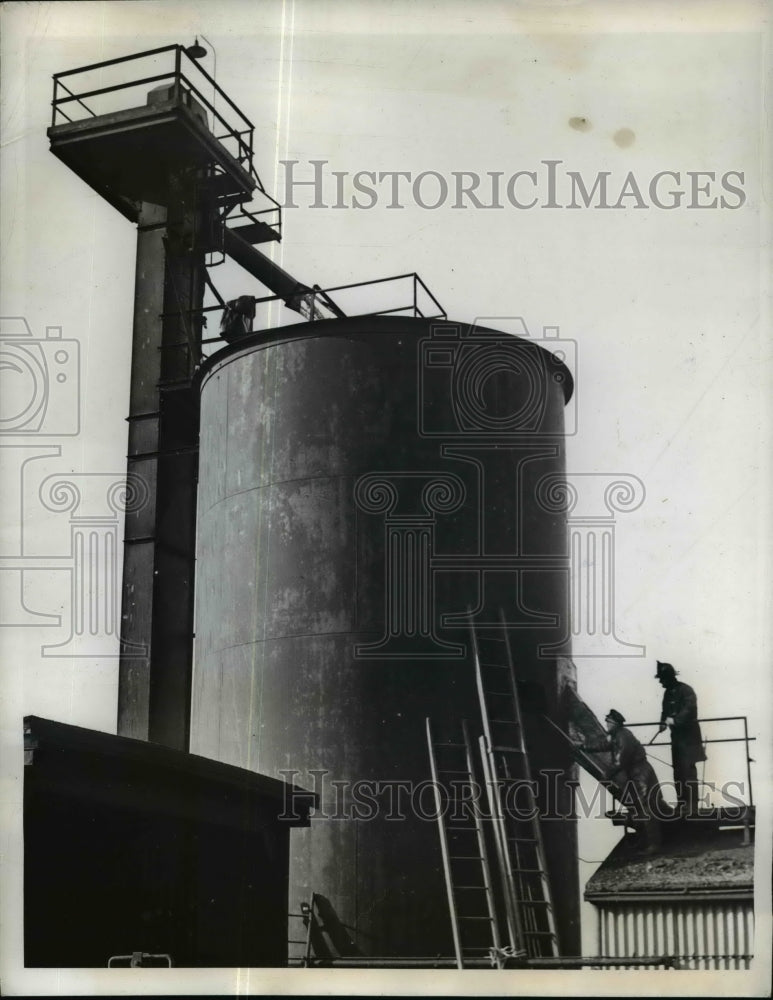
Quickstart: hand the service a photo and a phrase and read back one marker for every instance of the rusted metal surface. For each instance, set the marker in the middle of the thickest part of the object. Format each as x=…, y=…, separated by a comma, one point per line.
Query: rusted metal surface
x=296, y=658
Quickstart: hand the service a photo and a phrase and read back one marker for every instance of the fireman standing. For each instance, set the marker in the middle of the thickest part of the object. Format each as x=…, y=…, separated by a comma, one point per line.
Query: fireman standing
x=680, y=715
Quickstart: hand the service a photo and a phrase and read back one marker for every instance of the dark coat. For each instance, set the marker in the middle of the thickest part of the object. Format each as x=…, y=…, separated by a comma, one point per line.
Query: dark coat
x=681, y=704
x=629, y=758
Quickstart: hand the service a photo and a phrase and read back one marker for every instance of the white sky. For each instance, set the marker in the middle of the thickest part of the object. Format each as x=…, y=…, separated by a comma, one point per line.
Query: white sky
x=669, y=309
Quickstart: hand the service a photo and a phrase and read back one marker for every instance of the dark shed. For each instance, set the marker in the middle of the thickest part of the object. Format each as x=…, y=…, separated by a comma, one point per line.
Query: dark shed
x=133, y=847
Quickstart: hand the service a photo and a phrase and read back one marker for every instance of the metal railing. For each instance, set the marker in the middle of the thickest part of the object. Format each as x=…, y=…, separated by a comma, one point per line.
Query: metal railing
x=411, y=310
x=238, y=211
x=181, y=69
x=187, y=78
x=318, y=299
x=244, y=216
x=746, y=739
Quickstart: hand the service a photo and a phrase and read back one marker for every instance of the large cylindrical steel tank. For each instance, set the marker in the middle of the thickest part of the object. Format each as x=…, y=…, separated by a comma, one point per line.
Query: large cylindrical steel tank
x=364, y=484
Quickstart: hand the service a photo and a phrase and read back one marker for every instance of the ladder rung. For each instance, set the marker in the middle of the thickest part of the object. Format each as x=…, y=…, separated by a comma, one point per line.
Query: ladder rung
x=456, y=746
x=464, y=857
x=472, y=887
x=500, y=694
x=524, y=840
x=534, y=902
x=451, y=771
x=504, y=722
x=486, y=919
x=529, y=871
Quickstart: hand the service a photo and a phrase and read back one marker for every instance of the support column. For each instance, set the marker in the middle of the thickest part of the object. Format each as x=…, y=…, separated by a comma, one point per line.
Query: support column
x=159, y=543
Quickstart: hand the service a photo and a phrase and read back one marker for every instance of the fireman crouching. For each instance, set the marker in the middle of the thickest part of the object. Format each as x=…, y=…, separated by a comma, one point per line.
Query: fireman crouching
x=634, y=776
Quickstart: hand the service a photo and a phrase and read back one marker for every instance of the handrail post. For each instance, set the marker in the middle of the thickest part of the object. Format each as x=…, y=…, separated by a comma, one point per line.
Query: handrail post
x=177, y=73
x=748, y=760
x=309, y=930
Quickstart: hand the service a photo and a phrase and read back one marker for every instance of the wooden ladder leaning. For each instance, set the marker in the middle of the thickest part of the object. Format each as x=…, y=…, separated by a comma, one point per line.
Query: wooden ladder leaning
x=512, y=800
x=468, y=875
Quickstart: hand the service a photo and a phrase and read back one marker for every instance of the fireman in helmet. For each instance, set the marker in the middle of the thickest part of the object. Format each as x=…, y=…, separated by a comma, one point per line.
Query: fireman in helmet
x=680, y=715
x=634, y=776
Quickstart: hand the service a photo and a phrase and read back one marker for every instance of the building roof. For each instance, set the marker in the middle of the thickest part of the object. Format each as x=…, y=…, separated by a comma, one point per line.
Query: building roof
x=135, y=774
x=715, y=863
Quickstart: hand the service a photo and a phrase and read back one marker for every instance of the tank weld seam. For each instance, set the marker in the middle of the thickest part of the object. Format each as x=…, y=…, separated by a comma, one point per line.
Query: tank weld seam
x=279, y=482
x=298, y=635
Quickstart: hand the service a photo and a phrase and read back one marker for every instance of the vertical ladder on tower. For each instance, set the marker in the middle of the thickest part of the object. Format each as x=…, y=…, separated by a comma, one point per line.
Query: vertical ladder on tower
x=471, y=904
x=512, y=796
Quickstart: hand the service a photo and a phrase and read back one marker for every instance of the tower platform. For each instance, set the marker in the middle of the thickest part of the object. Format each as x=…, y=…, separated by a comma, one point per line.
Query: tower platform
x=134, y=126
x=128, y=156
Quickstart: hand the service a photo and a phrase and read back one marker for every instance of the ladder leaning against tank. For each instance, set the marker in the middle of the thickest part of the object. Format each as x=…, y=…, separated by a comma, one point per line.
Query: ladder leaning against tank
x=468, y=875
x=526, y=897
